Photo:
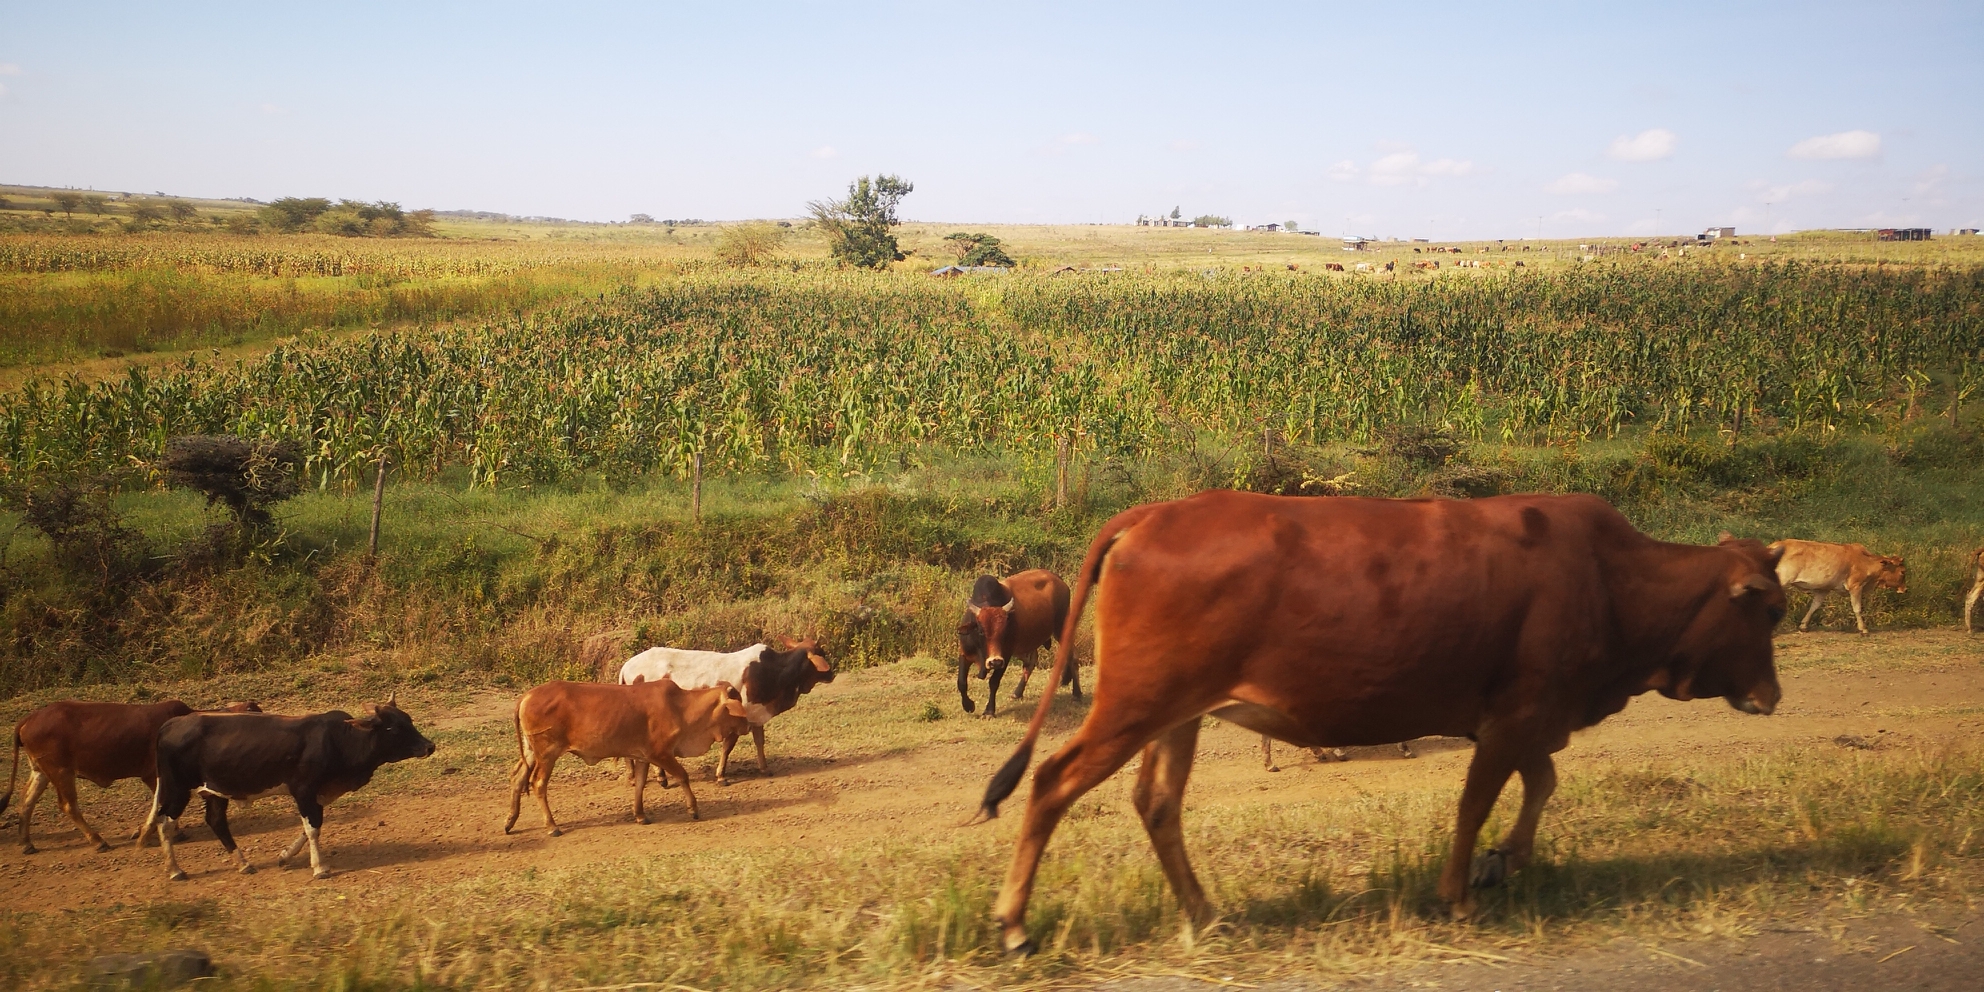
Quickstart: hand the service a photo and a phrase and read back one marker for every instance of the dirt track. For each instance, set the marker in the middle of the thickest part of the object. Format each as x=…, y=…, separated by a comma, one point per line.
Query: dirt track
x=440, y=820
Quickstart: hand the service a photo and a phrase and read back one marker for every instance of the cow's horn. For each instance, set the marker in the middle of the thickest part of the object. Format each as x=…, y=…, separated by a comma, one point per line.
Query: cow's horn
x=393, y=698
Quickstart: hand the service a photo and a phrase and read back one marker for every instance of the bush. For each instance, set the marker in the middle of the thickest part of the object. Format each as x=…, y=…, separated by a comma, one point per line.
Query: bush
x=747, y=245
x=248, y=476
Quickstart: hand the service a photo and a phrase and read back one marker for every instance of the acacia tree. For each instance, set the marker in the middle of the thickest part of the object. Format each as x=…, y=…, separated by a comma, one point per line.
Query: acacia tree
x=857, y=228
x=978, y=249
x=66, y=201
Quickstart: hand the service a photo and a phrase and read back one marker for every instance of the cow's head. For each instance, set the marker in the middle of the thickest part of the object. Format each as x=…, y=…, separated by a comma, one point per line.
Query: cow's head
x=1726, y=649
x=392, y=732
x=823, y=669
x=728, y=717
x=971, y=642
x=1893, y=573
x=990, y=610
x=996, y=622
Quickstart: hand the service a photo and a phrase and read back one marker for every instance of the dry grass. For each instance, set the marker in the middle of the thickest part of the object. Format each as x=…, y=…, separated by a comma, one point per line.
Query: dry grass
x=1702, y=845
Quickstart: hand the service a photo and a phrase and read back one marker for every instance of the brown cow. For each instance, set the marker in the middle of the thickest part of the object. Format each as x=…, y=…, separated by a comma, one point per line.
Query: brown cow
x=1307, y=619
x=1976, y=588
x=101, y=742
x=1823, y=569
x=1005, y=619
x=647, y=722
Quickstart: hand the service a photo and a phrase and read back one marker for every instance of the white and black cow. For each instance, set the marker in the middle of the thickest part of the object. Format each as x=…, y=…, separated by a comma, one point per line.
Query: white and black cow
x=771, y=682
x=244, y=756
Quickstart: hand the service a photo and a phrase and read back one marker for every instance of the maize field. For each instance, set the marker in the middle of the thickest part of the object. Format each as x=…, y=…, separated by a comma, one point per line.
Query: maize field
x=839, y=373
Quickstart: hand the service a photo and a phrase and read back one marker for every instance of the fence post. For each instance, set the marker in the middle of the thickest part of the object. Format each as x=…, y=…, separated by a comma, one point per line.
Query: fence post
x=378, y=507
x=696, y=486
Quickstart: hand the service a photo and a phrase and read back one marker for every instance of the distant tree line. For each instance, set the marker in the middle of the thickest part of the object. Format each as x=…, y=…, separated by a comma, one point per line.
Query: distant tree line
x=346, y=218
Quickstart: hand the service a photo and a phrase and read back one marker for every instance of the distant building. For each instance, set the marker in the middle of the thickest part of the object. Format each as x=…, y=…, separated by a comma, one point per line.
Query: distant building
x=1355, y=242
x=1967, y=230
x=1719, y=232
x=1902, y=234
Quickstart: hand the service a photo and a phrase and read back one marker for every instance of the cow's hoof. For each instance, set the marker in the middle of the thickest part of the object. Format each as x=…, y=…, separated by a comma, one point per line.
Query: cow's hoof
x=693, y=815
x=30, y=849
x=247, y=869
x=177, y=876
x=1026, y=948
x=642, y=820
x=723, y=782
x=555, y=832
x=969, y=706
x=1461, y=911
x=1490, y=869
x=321, y=873
x=1274, y=768
x=102, y=846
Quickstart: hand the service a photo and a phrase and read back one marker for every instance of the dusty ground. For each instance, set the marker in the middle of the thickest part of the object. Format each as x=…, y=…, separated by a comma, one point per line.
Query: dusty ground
x=848, y=760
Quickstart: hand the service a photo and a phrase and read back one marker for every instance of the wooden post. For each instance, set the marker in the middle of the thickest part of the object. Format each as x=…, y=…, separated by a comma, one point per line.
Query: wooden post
x=696, y=486
x=1061, y=447
x=378, y=507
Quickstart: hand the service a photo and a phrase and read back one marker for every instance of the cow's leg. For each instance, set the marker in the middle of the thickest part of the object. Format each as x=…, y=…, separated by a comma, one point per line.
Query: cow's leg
x=1818, y=600
x=295, y=847
x=1539, y=780
x=166, y=828
x=1970, y=602
x=37, y=783
x=167, y=803
x=1405, y=751
x=1159, y=798
x=1853, y=595
x=667, y=762
x=151, y=786
x=1026, y=672
x=540, y=782
x=312, y=814
x=758, y=738
x=519, y=781
x=65, y=796
x=217, y=822
x=722, y=759
x=1094, y=753
x=964, y=688
x=640, y=787
x=1267, y=754
x=1074, y=675
x=1486, y=774
x=994, y=672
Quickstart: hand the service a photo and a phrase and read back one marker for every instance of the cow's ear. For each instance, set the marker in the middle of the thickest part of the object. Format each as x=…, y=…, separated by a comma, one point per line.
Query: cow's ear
x=820, y=662
x=1750, y=584
x=1774, y=554
x=393, y=698
x=734, y=708
x=786, y=643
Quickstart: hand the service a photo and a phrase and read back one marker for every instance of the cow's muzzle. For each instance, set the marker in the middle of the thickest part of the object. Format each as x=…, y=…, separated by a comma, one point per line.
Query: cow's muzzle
x=1762, y=701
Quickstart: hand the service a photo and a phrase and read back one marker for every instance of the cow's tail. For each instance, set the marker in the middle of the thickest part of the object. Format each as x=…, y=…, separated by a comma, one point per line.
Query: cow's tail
x=1007, y=778
x=523, y=748
x=14, y=775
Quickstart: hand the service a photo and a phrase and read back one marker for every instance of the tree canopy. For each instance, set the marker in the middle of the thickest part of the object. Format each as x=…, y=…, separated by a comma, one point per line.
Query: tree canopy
x=857, y=228
x=978, y=249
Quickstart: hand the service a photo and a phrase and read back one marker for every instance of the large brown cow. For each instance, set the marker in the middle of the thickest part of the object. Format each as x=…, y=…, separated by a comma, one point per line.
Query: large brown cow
x=1822, y=569
x=1512, y=620
x=1005, y=619
x=101, y=742
x=645, y=722
x=1976, y=588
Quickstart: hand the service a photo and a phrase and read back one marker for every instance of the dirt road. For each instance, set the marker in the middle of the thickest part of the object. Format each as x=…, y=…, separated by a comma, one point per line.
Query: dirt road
x=854, y=756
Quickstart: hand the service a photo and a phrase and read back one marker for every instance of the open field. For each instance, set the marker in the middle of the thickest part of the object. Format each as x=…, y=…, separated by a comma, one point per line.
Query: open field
x=1861, y=800
x=870, y=442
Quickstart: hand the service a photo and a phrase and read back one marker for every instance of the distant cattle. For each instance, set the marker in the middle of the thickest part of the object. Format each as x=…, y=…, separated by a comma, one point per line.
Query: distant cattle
x=1333, y=266
x=1306, y=619
x=646, y=723
x=101, y=742
x=769, y=681
x=1009, y=618
x=1320, y=753
x=1976, y=588
x=1822, y=569
x=315, y=759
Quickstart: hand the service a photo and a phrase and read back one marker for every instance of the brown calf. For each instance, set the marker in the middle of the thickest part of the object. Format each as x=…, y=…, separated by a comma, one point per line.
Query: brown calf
x=647, y=722
x=102, y=742
x=1822, y=569
x=1005, y=619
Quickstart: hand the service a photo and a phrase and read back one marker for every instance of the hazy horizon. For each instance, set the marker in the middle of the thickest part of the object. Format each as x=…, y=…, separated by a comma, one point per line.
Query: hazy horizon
x=1558, y=121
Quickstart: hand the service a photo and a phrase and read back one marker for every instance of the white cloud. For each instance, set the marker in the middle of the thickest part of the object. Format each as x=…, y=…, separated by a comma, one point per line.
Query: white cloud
x=1646, y=146
x=11, y=69
x=1790, y=191
x=1575, y=183
x=824, y=151
x=1577, y=214
x=1930, y=180
x=1079, y=138
x=1400, y=168
x=1845, y=144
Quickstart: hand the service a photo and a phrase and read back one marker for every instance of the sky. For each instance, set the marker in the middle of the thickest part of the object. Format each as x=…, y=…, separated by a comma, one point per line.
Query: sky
x=1435, y=120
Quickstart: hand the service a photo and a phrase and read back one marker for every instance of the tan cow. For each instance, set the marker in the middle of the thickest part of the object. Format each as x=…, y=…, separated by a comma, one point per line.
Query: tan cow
x=1976, y=588
x=1822, y=569
x=647, y=722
